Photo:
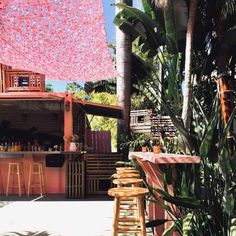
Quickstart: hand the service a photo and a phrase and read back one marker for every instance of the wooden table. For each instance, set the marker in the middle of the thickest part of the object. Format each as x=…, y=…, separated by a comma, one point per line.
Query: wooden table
x=150, y=163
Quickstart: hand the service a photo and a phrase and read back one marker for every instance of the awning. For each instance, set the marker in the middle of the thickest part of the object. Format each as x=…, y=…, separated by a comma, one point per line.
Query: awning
x=101, y=109
x=63, y=39
x=51, y=101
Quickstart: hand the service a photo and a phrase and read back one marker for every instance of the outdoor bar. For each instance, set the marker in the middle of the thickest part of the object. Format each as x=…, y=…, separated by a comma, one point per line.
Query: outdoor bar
x=51, y=129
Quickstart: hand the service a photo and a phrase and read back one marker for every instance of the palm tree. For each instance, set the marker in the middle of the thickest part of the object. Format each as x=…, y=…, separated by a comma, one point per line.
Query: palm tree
x=123, y=66
x=188, y=77
x=49, y=88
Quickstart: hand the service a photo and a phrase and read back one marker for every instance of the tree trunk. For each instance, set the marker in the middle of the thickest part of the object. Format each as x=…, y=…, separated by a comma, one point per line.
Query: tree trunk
x=187, y=90
x=123, y=66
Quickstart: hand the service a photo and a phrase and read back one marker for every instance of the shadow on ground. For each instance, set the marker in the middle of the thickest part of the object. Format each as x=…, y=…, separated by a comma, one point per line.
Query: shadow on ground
x=4, y=203
x=51, y=197
x=28, y=233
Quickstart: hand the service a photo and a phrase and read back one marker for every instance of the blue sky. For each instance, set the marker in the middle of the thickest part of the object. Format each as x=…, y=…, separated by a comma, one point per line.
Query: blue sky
x=109, y=13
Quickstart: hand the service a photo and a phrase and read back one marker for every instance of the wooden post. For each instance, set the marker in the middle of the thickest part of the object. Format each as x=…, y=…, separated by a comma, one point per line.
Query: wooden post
x=68, y=120
x=226, y=96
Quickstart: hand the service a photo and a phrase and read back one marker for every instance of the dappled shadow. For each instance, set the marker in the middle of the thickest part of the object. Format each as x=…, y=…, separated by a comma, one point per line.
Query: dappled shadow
x=52, y=197
x=4, y=203
x=28, y=233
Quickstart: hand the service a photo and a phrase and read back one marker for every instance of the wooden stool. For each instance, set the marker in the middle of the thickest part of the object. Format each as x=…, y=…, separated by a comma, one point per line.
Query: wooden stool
x=128, y=204
x=128, y=182
x=127, y=224
x=36, y=169
x=14, y=169
x=127, y=172
x=125, y=168
x=126, y=176
x=1, y=185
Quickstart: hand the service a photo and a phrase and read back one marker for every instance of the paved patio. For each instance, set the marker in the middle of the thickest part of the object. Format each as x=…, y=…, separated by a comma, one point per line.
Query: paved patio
x=55, y=216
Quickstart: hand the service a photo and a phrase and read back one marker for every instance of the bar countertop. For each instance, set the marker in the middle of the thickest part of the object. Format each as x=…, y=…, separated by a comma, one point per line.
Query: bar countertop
x=165, y=158
x=24, y=153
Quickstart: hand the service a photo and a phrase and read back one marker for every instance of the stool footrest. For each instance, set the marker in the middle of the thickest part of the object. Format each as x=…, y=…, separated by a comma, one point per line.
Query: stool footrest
x=127, y=219
x=126, y=229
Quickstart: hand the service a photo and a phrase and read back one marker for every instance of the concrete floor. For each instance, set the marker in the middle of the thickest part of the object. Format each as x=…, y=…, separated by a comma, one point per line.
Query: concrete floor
x=55, y=217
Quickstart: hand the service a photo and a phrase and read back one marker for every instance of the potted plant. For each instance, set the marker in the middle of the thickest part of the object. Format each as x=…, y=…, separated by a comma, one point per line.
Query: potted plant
x=136, y=142
x=156, y=147
x=73, y=141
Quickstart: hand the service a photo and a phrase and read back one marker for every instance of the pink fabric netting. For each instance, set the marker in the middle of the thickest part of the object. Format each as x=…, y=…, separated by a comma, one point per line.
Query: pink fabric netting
x=63, y=39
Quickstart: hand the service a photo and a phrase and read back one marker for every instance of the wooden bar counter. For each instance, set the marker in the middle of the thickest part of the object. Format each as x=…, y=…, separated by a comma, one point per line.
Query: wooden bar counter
x=150, y=163
x=55, y=177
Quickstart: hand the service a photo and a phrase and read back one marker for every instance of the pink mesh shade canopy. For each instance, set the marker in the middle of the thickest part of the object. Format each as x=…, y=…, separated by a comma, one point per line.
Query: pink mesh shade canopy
x=63, y=39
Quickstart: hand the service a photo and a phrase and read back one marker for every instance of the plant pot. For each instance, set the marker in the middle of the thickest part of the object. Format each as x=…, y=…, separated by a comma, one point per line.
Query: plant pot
x=144, y=149
x=156, y=149
x=73, y=147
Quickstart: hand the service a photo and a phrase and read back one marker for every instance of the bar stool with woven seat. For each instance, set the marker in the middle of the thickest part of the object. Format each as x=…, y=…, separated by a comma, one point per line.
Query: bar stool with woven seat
x=120, y=170
x=133, y=182
x=127, y=224
x=126, y=175
x=36, y=170
x=15, y=169
x=128, y=204
x=125, y=168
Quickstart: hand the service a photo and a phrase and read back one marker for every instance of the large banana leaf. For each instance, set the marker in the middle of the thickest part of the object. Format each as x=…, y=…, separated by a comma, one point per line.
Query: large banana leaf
x=153, y=36
x=208, y=137
x=154, y=12
x=187, y=202
x=154, y=223
x=170, y=27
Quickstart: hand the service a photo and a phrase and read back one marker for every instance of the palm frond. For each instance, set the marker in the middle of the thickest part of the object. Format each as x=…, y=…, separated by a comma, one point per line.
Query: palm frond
x=229, y=8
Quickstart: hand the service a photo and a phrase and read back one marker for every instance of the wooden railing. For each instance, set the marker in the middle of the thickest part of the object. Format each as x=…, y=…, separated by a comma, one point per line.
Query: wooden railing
x=18, y=81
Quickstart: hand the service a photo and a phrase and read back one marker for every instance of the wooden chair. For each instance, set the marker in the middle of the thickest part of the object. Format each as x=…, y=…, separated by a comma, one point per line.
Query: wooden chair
x=36, y=170
x=15, y=169
x=123, y=223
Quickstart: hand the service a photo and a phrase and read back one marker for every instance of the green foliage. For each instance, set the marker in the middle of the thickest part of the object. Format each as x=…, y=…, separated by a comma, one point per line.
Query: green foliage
x=205, y=193
x=104, y=123
x=72, y=87
x=97, y=123
x=140, y=25
x=49, y=88
x=103, y=86
x=135, y=141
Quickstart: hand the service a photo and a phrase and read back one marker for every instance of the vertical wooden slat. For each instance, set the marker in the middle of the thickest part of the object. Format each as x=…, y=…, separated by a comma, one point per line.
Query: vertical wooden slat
x=68, y=120
x=1, y=78
x=76, y=178
x=99, y=140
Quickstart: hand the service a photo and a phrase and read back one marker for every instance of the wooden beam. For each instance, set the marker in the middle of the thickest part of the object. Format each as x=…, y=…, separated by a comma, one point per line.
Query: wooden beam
x=68, y=120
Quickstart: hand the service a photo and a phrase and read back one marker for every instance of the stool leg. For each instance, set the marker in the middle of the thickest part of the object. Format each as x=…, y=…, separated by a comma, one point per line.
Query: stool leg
x=140, y=202
x=116, y=216
x=8, y=180
x=29, y=180
x=19, y=178
x=42, y=179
